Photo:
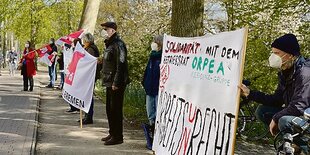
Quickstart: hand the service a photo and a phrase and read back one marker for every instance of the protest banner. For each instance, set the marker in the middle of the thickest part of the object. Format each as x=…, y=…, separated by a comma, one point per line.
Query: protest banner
x=79, y=82
x=198, y=97
x=44, y=55
x=67, y=54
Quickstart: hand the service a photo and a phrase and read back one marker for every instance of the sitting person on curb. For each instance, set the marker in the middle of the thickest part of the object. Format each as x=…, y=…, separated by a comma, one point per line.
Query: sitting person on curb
x=292, y=95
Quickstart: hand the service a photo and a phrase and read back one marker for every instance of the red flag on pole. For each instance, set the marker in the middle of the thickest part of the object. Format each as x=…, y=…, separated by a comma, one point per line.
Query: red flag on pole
x=44, y=55
x=69, y=38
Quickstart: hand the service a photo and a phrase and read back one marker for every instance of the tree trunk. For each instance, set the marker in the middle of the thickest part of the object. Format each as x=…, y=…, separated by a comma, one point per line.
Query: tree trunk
x=89, y=16
x=187, y=18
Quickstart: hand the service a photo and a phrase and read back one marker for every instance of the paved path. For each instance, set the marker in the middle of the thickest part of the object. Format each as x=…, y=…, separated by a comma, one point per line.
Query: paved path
x=17, y=115
x=58, y=132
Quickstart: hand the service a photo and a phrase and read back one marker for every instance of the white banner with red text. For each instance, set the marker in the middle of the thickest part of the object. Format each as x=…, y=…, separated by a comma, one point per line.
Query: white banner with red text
x=198, y=95
x=79, y=81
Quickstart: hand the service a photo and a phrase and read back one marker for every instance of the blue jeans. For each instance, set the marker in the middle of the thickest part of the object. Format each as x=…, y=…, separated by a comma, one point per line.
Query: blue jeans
x=62, y=79
x=265, y=113
x=151, y=106
x=285, y=124
x=51, y=73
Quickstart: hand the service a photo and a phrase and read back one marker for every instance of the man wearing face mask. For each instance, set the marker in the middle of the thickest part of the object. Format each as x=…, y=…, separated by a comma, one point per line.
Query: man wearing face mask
x=115, y=78
x=292, y=95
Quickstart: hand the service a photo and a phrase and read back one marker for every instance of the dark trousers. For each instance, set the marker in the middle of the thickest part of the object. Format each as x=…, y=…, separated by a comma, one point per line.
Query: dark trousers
x=26, y=79
x=90, y=113
x=114, y=107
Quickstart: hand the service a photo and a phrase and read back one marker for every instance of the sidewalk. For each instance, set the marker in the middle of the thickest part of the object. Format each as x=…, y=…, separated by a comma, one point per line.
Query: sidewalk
x=60, y=133
x=18, y=115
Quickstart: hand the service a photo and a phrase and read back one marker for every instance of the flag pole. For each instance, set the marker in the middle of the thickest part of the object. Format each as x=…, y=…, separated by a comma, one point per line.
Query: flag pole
x=81, y=120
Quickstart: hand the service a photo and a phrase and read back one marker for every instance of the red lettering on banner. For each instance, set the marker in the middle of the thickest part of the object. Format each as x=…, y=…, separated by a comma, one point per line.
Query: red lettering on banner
x=189, y=115
x=72, y=67
x=185, y=138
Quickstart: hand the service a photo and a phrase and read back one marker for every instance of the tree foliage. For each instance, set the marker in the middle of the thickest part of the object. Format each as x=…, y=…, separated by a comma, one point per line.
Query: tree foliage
x=266, y=20
x=36, y=21
x=138, y=22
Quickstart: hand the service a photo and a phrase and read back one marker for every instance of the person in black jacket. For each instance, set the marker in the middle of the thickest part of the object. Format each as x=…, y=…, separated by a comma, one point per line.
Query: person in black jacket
x=115, y=78
x=293, y=92
x=91, y=48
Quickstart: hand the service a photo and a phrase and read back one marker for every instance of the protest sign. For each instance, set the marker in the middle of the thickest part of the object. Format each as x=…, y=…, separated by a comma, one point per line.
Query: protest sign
x=198, y=95
x=79, y=82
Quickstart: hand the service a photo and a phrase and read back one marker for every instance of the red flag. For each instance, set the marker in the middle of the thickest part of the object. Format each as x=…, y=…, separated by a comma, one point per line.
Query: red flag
x=45, y=49
x=44, y=55
x=69, y=38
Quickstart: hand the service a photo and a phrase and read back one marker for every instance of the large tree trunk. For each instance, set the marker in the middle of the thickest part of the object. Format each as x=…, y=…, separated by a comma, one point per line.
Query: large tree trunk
x=89, y=16
x=187, y=18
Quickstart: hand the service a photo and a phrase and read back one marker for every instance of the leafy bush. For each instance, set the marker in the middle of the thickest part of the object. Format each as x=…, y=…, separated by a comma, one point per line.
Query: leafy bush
x=134, y=102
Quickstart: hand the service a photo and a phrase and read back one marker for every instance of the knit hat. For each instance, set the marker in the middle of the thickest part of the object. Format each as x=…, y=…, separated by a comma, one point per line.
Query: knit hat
x=110, y=25
x=288, y=44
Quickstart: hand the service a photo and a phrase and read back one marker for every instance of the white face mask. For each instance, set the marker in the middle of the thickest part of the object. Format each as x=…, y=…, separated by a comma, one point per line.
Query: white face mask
x=26, y=45
x=154, y=46
x=275, y=61
x=104, y=34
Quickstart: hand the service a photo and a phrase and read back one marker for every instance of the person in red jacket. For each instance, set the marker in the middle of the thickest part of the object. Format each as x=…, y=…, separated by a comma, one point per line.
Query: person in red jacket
x=28, y=69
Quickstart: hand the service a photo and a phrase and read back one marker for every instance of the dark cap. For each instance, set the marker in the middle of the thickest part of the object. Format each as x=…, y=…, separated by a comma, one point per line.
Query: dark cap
x=287, y=43
x=110, y=25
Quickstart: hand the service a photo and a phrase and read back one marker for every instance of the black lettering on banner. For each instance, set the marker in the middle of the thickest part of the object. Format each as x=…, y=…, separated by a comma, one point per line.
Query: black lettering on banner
x=183, y=128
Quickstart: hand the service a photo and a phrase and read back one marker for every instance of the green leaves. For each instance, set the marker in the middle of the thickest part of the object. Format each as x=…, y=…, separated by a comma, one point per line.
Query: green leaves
x=35, y=21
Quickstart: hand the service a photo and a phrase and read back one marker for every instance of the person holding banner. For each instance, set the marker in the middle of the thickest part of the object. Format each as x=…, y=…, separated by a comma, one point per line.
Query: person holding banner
x=28, y=69
x=66, y=65
x=60, y=61
x=91, y=48
x=151, y=83
x=292, y=95
x=51, y=69
x=115, y=78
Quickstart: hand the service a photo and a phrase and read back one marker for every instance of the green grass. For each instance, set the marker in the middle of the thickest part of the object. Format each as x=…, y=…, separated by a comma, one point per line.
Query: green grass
x=134, y=103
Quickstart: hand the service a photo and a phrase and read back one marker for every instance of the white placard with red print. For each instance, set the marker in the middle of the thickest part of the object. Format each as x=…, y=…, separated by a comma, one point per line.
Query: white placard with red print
x=198, y=94
x=79, y=81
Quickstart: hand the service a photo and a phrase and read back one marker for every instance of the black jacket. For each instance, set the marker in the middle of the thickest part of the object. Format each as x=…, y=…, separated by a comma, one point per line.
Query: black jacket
x=54, y=49
x=293, y=91
x=151, y=74
x=92, y=49
x=115, y=65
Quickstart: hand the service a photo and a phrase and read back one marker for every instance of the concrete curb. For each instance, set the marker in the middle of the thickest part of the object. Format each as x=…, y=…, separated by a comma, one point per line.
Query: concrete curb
x=36, y=125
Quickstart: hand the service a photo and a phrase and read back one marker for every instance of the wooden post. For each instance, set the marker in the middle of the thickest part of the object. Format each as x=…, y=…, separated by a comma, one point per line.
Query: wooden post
x=81, y=118
x=245, y=39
